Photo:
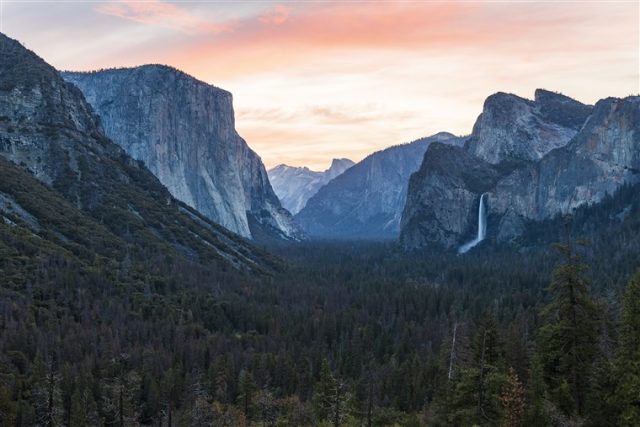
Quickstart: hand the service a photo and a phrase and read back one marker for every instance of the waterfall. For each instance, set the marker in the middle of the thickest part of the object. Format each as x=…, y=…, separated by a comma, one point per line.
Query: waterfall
x=482, y=227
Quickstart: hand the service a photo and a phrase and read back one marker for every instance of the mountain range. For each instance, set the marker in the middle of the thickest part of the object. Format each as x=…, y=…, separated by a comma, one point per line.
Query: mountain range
x=295, y=185
x=366, y=201
x=152, y=151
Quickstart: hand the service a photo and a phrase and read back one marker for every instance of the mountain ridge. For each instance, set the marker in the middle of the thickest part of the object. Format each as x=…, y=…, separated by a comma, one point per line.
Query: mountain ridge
x=532, y=180
x=366, y=201
x=294, y=186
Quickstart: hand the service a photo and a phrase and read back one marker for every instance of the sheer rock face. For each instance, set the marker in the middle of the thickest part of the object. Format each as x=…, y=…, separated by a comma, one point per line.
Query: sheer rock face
x=295, y=185
x=511, y=127
x=528, y=178
x=184, y=132
x=366, y=201
x=45, y=124
x=442, y=196
x=48, y=129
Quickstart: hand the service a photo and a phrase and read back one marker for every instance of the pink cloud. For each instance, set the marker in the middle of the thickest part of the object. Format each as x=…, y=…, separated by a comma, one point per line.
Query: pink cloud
x=159, y=13
x=277, y=15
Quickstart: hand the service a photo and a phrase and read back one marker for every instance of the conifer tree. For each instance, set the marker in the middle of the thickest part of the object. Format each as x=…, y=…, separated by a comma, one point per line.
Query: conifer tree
x=477, y=389
x=323, y=392
x=8, y=408
x=46, y=397
x=247, y=389
x=569, y=337
x=84, y=410
x=628, y=361
x=331, y=400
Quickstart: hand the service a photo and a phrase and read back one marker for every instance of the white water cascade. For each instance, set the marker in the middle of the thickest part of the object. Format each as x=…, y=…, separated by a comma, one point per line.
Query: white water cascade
x=482, y=227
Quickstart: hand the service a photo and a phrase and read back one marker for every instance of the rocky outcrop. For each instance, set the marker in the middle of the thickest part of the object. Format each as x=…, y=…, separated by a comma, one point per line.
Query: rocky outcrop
x=295, y=185
x=514, y=128
x=443, y=196
x=528, y=172
x=48, y=129
x=183, y=130
x=366, y=201
x=601, y=157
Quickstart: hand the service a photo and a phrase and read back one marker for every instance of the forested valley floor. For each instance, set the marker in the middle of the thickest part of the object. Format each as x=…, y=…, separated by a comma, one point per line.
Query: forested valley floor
x=341, y=333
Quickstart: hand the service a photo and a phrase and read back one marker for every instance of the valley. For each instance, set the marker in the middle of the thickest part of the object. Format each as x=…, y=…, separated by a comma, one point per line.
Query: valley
x=154, y=272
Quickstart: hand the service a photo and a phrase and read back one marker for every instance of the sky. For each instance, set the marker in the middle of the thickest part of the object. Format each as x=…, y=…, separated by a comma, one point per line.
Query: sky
x=316, y=80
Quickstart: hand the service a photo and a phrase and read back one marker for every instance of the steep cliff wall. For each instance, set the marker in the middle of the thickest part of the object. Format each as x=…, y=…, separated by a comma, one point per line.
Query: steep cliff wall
x=526, y=164
x=184, y=132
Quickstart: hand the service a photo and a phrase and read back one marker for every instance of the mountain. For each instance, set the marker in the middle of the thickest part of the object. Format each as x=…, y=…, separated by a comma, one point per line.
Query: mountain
x=366, y=201
x=66, y=185
x=533, y=159
x=183, y=130
x=514, y=128
x=295, y=185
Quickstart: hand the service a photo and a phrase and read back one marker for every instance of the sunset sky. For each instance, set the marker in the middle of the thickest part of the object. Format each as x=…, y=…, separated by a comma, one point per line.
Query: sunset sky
x=314, y=80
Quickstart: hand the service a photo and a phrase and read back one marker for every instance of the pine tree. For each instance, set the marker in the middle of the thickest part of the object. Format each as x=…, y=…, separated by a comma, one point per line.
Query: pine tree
x=488, y=358
x=569, y=338
x=119, y=394
x=331, y=399
x=536, y=415
x=46, y=396
x=513, y=402
x=247, y=388
x=323, y=392
x=628, y=360
x=84, y=410
x=475, y=394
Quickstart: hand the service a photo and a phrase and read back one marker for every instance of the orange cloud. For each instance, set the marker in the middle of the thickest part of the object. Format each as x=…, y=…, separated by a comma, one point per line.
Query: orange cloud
x=159, y=13
x=287, y=35
x=305, y=74
x=314, y=30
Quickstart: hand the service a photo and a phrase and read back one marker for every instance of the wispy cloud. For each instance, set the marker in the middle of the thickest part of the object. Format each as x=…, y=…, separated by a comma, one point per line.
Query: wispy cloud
x=314, y=80
x=277, y=15
x=162, y=14
x=330, y=115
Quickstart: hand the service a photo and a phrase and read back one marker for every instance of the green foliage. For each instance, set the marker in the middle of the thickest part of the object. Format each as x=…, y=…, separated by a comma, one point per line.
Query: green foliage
x=91, y=286
x=568, y=340
x=472, y=395
x=628, y=361
x=331, y=399
x=247, y=389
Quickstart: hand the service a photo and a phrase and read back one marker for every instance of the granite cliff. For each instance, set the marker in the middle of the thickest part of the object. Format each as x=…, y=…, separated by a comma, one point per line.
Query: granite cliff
x=183, y=130
x=66, y=181
x=534, y=160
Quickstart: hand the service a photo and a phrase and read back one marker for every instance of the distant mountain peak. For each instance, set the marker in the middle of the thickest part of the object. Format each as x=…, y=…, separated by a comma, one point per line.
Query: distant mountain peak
x=295, y=185
x=341, y=161
x=338, y=166
x=366, y=201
